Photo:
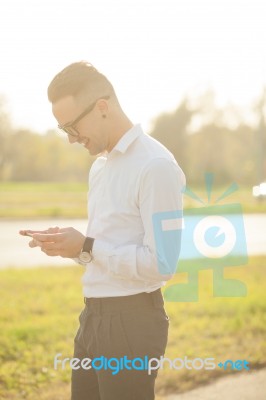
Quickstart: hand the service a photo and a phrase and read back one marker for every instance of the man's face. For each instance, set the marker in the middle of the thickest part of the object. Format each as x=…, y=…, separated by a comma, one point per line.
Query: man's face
x=91, y=129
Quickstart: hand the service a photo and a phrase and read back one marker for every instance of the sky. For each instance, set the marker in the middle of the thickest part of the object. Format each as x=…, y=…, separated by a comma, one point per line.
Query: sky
x=154, y=52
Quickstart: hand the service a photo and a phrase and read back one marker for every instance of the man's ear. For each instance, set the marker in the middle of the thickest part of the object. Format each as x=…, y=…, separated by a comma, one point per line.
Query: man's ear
x=103, y=107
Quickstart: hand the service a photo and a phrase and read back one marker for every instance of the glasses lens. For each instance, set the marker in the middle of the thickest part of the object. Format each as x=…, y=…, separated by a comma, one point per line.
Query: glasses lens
x=69, y=131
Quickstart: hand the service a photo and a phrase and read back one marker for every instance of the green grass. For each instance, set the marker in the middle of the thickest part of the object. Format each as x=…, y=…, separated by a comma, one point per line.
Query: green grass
x=32, y=200
x=223, y=328
x=39, y=318
x=69, y=200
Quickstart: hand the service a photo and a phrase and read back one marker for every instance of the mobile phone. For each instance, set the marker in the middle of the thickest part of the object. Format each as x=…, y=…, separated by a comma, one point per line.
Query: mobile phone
x=26, y=233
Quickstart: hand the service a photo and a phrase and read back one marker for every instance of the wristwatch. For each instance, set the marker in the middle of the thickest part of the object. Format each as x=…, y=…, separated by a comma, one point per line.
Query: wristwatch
x=86, y=252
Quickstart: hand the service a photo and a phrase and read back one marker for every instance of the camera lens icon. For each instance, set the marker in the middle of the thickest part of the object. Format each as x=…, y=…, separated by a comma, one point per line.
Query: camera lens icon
x=214, y=236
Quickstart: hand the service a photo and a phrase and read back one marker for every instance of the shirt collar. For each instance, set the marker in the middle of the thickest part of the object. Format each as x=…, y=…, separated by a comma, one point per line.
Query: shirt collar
x=127, y=139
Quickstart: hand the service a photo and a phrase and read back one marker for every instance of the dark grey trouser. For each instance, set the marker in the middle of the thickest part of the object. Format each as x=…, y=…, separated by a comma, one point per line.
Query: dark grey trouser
x=132, y=326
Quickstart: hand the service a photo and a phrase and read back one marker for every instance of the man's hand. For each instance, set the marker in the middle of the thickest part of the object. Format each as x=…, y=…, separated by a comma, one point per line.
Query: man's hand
x=64, y=242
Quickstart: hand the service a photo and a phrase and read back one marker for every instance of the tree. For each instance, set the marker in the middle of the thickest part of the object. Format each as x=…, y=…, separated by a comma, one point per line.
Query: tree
x=171, y=130
x=5, y=132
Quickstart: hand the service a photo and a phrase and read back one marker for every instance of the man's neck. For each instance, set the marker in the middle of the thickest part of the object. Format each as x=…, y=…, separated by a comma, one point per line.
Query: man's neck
x=120, y=128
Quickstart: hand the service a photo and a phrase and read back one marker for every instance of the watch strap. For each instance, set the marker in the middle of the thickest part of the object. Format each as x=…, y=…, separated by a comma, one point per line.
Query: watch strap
x=88, y=244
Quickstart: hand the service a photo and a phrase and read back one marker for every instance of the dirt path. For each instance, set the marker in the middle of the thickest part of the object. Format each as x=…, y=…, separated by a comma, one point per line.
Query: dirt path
x=245, y=386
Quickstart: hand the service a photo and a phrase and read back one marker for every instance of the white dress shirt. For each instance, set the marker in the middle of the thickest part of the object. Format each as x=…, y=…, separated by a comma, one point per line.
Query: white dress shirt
x=138, y=178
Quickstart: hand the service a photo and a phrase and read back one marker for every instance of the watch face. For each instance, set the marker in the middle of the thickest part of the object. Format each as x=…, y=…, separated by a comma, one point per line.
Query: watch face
x=85, y=257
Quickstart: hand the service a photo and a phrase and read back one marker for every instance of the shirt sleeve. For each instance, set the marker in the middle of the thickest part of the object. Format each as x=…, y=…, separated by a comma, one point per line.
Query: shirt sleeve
x=160, y=203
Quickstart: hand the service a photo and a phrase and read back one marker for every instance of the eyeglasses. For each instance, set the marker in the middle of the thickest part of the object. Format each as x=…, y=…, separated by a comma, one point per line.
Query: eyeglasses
x=69, y=127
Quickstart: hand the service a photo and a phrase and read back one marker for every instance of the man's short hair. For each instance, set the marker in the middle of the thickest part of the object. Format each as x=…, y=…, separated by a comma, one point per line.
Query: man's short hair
x=79, y=79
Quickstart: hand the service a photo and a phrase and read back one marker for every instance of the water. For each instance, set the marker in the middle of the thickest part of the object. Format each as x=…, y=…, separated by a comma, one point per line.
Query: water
x=14, y=251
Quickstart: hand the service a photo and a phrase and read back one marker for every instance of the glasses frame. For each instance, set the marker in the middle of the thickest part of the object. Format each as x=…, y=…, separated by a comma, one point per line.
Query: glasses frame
x=71, y=125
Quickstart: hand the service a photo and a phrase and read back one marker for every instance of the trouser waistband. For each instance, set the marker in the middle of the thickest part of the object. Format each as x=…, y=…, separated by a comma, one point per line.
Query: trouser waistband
x=152, y=299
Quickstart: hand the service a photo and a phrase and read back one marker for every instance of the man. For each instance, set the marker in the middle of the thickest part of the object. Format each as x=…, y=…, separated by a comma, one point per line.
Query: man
x=134, y=179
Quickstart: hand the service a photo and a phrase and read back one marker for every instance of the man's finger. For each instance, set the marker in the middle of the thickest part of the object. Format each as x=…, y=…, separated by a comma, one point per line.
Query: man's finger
x=27, y=232
x=53, y=230
x=49, y=237
x=33, y=243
